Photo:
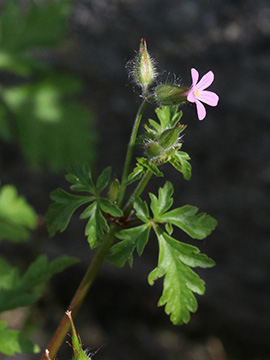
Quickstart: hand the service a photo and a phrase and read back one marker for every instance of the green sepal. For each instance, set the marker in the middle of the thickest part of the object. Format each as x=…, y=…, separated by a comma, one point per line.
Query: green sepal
x=15, y=342
x=180, y=281
x=134, y=238
x=60, y=211
x=197, y=226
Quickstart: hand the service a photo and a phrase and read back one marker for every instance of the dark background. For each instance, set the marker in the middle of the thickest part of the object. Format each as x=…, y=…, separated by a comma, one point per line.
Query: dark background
x=231, y=176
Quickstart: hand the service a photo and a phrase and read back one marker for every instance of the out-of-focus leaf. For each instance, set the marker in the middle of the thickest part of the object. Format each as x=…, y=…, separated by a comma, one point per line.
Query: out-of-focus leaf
x=14, y=341
x=17, y=217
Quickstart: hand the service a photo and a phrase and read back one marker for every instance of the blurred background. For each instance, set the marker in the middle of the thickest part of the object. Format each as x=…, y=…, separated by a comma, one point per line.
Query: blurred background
x=66, y=97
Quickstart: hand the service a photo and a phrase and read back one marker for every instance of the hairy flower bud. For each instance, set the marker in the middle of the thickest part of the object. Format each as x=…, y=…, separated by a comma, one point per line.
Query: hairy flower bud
x=171, y=95
x=144, y=71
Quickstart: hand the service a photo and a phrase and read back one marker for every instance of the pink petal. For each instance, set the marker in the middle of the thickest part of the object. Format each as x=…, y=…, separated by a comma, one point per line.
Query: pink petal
x=209, y=98
x=195, y=76
x=205, y=81
x=200, y=110
x=191, y=97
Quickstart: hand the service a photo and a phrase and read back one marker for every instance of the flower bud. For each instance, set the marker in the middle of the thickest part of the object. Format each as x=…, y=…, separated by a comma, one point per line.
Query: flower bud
x=170, y=137
x=78, y=353
x=144, y=71
x=171, y=95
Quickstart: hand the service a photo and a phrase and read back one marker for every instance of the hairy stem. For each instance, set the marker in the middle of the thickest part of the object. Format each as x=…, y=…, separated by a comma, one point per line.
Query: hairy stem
x=129, y=154
x=82, y=290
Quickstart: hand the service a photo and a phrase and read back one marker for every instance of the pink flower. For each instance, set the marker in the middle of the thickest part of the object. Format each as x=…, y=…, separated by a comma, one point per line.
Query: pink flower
x=197, y=94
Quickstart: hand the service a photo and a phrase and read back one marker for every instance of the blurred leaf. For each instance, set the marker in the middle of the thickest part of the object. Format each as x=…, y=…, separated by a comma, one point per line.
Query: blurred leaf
x=17, y=291
x=51, y=130
x=17, y=217
x=180, y=281
x=37, y=25
x=14, y=341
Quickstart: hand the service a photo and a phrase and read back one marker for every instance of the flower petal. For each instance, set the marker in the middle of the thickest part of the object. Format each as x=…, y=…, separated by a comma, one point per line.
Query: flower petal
x=209, y=98
x=190, y=96
x=194, y=76
x=200, y=110
x=205, y=81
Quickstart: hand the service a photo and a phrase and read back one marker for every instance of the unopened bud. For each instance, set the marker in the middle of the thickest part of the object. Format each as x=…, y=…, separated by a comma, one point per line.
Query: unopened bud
x=170, y=95
x=144, y=71
x=114, y=190
x=169, y=137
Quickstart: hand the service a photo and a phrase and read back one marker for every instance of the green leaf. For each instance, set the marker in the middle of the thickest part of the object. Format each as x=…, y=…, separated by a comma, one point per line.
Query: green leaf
x=103, y=179
x=42, y=25
x=142, y=210
x=134, y=238
x=17, y=217
x=180, y=161
x=81, y=178
x=180, y=281
x=17, y=291
x=147, y=165
x=163, y=202
x=60, y=212
x=198, y=226
x=142, y=167
x=108, y=207
x=96, y=226
x=14, y=341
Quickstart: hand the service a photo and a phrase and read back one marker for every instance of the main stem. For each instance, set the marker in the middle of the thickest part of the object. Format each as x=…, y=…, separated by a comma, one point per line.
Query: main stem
x=100, y=255
x=82, y=290
x=129, y=154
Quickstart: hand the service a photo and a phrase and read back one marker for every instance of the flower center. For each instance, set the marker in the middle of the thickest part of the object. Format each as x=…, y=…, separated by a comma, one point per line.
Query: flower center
x=196, y=93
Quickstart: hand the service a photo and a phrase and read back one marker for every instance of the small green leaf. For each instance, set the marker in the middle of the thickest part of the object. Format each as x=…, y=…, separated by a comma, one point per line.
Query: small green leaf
x=60, y=212
x=180, y=281
x=80, y=176
x=14, y=341
x=108, y=207
x=96, y=226
x=163, y=202
x=142, y=210
x=133, y=238
x=146, y=164
x=103, y=179
x=198, y=226
x=180, y=161
x=17, y=217
x=136, y=174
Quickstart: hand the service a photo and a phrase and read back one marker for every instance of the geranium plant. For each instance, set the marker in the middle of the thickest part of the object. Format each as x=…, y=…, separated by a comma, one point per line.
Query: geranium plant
x=117, y=225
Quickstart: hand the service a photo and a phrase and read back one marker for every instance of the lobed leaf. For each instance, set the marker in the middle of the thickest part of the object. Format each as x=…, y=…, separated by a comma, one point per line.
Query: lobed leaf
x=180, y=281
x=96, y=226
x=180, y=162
x=163, y=202
x=198, y=226
x=61, y=210
x=134, y=238
x=81, y=178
